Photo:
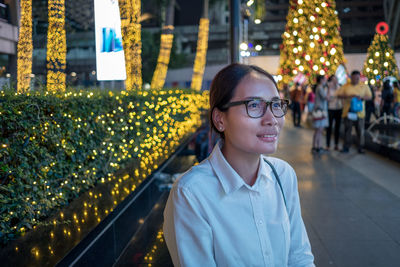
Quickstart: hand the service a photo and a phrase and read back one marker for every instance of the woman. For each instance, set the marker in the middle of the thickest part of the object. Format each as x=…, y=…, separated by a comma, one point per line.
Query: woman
x=320, y=113
x=231, y=210
x=387, y=98
x=334, y=112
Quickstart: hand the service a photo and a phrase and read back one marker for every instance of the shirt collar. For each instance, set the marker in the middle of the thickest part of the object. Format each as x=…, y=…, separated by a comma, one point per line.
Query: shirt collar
x=229, y=178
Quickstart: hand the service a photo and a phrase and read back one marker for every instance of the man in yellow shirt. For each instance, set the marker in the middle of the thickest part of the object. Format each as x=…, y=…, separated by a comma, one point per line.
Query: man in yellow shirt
x=360, y=91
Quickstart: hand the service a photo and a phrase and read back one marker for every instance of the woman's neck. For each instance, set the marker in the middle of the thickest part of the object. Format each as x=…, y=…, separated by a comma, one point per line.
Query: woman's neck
x=245, y=164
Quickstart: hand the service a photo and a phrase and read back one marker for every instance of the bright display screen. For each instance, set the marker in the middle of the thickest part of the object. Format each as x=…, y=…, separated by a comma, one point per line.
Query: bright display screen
x=110, y=59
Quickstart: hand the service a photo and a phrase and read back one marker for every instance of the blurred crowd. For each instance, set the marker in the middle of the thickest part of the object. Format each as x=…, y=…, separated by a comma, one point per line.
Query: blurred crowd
x=326, y=105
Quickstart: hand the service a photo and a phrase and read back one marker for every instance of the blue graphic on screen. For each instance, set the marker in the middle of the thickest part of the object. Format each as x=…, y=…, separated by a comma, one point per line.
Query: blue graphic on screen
x=110, y=41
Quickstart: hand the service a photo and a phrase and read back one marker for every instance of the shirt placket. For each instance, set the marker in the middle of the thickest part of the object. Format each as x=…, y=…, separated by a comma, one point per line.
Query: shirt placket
x=259, y=219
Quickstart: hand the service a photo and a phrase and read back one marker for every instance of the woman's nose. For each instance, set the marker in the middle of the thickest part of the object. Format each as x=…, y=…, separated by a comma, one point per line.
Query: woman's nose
x=269, y=118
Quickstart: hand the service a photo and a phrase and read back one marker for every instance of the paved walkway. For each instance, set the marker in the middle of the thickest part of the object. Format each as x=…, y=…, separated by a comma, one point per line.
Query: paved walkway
x=350, y=203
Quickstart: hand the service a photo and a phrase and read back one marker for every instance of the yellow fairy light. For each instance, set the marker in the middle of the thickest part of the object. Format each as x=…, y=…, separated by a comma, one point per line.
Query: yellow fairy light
x=56, y=46
x=160, y=73
x=200, y=60
x=24, y=47
x=131, y=38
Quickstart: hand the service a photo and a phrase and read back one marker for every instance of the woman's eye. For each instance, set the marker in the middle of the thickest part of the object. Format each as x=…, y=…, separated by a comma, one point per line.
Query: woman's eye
x=276, y=105
x=254, y=105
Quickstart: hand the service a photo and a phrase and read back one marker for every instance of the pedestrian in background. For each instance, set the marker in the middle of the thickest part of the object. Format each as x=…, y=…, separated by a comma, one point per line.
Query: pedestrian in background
x=370, y=107
x=387, y=98
x=353, y=95
x=396, y=96
x=334, y=112
x=320, y=113
x=296, y=96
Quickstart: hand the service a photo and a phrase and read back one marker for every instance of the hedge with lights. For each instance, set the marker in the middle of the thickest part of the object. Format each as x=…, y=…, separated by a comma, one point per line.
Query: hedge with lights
x=311, y=43
x=54, y=147
x=380, y=61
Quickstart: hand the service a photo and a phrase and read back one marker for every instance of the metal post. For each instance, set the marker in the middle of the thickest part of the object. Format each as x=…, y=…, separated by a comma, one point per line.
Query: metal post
x=234, y=30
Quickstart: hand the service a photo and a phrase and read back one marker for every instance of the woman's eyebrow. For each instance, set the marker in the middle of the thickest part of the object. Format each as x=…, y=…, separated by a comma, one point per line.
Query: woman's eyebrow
x=261, y=98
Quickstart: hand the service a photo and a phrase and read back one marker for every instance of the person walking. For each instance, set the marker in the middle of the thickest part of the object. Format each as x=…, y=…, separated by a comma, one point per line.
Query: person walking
x=370, y=107
x=353, y=95
x=296, y=96
x=387, y=98
x=396, y=96
x=334, y=112
x=320, y=113
x=239, y=207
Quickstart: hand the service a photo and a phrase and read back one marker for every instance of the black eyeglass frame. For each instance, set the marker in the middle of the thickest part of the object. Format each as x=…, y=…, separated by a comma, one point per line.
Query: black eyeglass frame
x=267, y=103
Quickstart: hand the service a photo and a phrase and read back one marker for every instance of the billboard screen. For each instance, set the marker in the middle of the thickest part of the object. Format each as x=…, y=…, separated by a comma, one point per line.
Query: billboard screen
x=110, y=59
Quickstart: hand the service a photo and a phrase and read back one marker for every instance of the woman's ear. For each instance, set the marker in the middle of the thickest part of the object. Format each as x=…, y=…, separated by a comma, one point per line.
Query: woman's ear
x=218, y=119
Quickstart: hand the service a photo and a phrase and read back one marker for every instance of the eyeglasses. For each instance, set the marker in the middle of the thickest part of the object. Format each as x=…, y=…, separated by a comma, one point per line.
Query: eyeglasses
x=256, y=108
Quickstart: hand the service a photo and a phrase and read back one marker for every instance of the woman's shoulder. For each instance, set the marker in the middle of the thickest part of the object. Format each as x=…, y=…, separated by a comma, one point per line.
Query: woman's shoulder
x=281, y=166
x=196, y=175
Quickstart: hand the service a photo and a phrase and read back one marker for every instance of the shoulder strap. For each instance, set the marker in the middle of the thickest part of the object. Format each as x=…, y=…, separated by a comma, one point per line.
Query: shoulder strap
x=277, y=179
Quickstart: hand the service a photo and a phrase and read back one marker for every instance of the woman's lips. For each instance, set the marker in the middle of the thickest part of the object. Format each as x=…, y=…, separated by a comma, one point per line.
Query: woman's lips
x=268, y=137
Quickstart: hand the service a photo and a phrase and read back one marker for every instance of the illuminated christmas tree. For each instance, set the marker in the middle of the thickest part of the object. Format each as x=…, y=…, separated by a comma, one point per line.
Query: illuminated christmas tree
x=380, y=62
x=311, y=44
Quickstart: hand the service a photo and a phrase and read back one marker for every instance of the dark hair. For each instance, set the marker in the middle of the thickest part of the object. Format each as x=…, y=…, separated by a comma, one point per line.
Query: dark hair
x=319, y=78
x=331, y=77
x=224, y=85
x=355, y=72
x=387, y=85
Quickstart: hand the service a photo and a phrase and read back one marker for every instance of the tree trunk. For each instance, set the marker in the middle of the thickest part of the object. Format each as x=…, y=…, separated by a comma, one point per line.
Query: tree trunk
x=201, y=52
x=165, y=48
x=56, y=46
x=25, y=48
x=131, y=37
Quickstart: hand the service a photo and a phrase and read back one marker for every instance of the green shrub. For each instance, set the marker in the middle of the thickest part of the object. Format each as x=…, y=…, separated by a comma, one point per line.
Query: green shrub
x=54, y=147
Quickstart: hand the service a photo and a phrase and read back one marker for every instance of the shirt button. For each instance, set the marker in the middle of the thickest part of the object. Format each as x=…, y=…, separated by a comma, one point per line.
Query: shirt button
x=260, y=222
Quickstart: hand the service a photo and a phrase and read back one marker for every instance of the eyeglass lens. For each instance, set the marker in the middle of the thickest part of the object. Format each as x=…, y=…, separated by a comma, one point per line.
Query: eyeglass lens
x=257, y=108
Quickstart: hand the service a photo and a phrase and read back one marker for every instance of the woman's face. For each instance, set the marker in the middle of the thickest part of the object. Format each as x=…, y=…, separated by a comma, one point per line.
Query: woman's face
x=252, y=135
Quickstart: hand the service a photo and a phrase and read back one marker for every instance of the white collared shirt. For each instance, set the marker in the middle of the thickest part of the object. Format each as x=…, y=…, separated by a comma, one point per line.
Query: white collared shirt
x=213, y=218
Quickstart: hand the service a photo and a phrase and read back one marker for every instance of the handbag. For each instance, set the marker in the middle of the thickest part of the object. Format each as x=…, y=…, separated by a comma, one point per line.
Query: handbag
x=319, y=114
x=356, y=105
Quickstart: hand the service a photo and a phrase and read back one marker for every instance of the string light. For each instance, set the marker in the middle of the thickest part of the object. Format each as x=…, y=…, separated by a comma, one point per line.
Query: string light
x=131, y=38
x=25, y=48
x=200, y=60
x=380, y=61
x=56, y=46
x=160, y=72
x=316, y=47
x=171, y=115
